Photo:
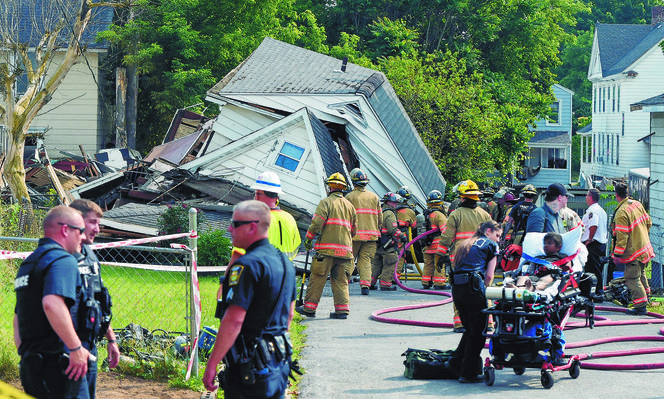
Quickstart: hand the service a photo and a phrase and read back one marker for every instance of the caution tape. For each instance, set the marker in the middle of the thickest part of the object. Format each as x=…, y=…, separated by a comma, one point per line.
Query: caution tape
x=22, y=255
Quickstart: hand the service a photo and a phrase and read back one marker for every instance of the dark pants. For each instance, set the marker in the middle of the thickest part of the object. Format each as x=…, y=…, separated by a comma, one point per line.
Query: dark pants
x=470, y=300
x=269, y=386
x=42, y=376
x=594, y=265
x=89, y=387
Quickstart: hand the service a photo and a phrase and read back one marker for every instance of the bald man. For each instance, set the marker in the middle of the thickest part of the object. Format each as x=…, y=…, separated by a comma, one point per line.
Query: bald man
x=255, y=307
x=53, y=361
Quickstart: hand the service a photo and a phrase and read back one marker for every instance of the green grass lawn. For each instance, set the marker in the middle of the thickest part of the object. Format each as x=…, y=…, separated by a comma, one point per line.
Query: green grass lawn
x=155, y=301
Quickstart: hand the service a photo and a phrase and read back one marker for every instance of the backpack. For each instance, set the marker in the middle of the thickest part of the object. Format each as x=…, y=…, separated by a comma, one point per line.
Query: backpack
x=427, y=364
x=510, y=257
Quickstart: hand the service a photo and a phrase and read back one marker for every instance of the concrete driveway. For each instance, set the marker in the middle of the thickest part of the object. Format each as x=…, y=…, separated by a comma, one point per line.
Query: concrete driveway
x=361, y=358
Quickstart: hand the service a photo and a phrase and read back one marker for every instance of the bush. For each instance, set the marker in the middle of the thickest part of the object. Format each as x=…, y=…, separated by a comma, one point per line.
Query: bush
x=176, y=220
x=214, y=249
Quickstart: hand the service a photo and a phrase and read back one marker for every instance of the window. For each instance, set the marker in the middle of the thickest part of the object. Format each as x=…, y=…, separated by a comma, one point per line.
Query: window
x=22, y=80
x=604, y=99
x=554, y=118
x=290, y=156
x=617, y=150
x=594, y=99
x=618, y=100
x=613, y=100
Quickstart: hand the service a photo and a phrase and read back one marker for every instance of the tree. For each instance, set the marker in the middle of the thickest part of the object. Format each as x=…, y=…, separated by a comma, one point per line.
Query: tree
x=183, y=47
x=41, y=42
x=452, y=109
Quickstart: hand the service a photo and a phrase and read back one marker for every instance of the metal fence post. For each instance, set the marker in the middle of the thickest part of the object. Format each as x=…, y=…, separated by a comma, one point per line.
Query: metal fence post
x=193, y=245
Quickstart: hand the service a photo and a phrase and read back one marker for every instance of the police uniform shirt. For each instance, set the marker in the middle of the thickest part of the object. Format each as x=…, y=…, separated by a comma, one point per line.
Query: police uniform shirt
x=253, y=283
x=479, y=254
x=595, y=216
x=520, y=213
x=61, y=278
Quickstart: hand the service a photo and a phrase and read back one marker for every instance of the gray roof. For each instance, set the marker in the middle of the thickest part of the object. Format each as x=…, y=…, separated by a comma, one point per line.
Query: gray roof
x=656, y=100
x=277, y=67
x=40, y=13
x=551, y=137
x=621, y=45
x=328, y=151
x=148, y=216
x=586, y=129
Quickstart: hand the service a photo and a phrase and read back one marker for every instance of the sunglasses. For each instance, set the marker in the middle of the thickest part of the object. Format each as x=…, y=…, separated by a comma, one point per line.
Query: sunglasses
x=238, y=223
x=80, y=229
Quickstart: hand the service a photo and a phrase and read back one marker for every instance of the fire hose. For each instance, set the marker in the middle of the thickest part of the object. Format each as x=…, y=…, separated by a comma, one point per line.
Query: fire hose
x=586, y=358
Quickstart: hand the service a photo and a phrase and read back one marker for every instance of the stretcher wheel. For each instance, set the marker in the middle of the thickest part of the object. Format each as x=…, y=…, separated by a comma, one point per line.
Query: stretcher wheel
x=519, y=370
x=547, y=379
x=489, y=375
x=575, y=370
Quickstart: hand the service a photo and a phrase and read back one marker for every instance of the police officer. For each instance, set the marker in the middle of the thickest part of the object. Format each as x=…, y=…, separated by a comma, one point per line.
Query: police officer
x=595, y=238
x=54, y=361
x=95, y=295
x=631, y=228
x=335, y=224
x=283, y=232
x=391, y=240
x=434, y=219
x=255, y=308
x=369, y=220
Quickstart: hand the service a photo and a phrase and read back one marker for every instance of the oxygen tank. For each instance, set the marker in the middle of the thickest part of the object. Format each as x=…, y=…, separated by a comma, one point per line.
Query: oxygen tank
x=512, y=294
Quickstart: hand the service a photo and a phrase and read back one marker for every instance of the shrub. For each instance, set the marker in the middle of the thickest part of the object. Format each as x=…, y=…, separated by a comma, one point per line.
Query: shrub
x=176, y=220
x=214, y=249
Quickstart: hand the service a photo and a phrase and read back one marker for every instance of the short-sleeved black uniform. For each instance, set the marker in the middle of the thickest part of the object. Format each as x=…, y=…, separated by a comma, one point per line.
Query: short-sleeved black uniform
x=263, y=283
x=470, y=300
x=49, y=270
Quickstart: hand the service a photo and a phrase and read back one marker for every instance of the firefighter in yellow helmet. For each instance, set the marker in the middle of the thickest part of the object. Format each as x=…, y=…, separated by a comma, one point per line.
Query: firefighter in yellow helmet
x=460, y=226
x=369, y=221
x=333, y=226
x=434, y=219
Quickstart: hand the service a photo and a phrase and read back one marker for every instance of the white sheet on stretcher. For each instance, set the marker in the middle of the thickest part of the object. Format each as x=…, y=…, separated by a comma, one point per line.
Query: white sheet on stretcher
x=533, y=245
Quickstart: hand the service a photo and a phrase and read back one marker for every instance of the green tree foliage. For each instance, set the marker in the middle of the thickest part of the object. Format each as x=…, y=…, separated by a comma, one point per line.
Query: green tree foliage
x=573, y=73
x=183, y=47
x=452, y=109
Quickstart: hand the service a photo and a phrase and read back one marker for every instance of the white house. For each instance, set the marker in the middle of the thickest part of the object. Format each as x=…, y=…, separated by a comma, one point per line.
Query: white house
x=75, y=115
x=305, y=115
x=654, y=108
x=549, y=157
x=626, y=66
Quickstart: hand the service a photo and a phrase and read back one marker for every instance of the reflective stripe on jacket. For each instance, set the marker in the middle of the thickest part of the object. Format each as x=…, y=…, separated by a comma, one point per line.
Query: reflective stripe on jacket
x=460, y=226
x=631, y=228
x=336, y=222
x=437, y=220
x=369, y=214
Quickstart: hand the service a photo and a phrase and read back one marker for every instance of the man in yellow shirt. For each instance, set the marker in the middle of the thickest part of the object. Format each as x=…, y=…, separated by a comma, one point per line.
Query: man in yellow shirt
x=283, y=232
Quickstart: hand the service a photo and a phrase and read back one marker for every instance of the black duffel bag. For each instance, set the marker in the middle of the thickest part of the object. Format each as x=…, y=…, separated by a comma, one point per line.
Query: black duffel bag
x=427, y=364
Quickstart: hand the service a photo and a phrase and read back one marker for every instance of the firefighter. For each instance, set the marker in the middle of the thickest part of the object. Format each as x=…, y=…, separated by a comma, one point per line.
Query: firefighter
x=518, y=217
x=460, y=226
x=407, y=219
x=333, y=226
x=369, y=220
x=631, y=228
x=391, y=240
x=434, y=219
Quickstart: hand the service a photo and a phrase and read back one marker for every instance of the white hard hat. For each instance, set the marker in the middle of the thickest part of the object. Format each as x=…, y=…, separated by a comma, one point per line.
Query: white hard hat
x=268, y=181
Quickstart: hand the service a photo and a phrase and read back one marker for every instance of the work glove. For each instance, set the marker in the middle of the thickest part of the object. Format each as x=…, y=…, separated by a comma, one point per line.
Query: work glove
x=308, y=244
x=443, y=261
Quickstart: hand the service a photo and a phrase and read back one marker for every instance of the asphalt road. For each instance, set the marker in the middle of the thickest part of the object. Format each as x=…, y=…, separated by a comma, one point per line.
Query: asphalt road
x=361, y=358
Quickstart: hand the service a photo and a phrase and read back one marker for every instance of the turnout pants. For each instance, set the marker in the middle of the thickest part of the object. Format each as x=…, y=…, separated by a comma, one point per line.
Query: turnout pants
x=364, y=252
x=637, y=283
x=382, y=267
x=324, y=266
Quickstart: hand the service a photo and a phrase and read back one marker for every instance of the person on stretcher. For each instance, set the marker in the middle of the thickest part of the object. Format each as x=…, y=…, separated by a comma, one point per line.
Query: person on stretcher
x=540, y=268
